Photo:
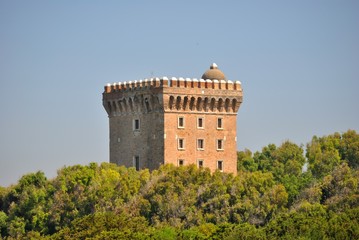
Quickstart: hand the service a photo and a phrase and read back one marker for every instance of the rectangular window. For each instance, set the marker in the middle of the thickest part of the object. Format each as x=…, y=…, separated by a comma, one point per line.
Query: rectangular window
x=200, y=163
x=219, y=123
x=220, y=143
x=180, y=122
x=220, y=165
x=136, y=124
x=200, y=144
x=200, y=122
x=136, y=162
x=180, y=144
x=180, y=162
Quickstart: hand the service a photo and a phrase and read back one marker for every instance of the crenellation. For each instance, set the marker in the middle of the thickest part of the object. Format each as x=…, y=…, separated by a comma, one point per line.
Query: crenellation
x=130, y=95
x=165, y=82
x=222, y=84
x=173, y=82
x=208, y=83
x=202, y=83
x=181, y=82
x=215, y=84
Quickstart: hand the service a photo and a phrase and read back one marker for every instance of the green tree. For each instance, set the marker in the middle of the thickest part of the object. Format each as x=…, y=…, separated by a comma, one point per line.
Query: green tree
x=340, y=188
x=27, y=201
x=17, y=228
x=245, y=161
x=323, y=155
x=349, y=148
x=246, y=231
x=106, y=225
x=308, y=221
x=3, y=223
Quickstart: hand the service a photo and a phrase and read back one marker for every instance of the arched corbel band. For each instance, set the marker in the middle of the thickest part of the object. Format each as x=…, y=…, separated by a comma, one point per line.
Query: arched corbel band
x=206, y=104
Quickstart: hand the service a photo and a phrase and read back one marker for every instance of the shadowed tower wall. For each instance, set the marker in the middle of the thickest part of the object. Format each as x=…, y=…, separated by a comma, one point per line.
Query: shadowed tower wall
x=136, y=124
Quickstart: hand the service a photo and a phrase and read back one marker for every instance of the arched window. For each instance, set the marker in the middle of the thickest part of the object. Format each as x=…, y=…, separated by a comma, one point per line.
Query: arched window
x=213, y=104
x=220, y=105
x=124, y=102
x=199, y=104
x=119, y=106
x=171, y=102
x=205, y=104
x=178, y=103
x=185, y=103
x=227, y=105
x=234, y=103
x=191, y=104
x=130, y=103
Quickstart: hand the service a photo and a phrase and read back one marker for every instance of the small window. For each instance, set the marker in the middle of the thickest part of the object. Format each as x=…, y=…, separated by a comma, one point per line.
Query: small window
x=180, y=162
x=220, y=165
x=136, y=124
x=200, y=122
x=200, y=144
x=181, y=143
x=180, y=122
x=220, y=144
x=136, y=162
x=219, y=123
x=200, y=163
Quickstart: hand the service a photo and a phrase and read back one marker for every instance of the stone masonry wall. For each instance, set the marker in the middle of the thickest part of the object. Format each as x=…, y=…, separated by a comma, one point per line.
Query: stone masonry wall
x=209, y=133
x=158, y=103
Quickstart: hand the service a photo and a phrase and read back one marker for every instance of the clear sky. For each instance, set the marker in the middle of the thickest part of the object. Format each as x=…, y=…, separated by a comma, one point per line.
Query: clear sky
x=298, y=62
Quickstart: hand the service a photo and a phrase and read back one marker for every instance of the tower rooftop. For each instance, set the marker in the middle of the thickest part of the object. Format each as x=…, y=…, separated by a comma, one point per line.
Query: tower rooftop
x=214, y=73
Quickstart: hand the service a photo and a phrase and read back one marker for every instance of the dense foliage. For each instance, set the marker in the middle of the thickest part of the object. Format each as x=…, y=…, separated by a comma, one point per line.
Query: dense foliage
x=271, y=197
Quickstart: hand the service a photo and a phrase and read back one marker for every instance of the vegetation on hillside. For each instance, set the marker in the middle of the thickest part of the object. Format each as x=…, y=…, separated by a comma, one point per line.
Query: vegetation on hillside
x=271, y=197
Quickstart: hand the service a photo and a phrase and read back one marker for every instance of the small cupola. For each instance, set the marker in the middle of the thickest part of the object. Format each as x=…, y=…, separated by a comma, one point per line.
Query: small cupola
x=214, y=73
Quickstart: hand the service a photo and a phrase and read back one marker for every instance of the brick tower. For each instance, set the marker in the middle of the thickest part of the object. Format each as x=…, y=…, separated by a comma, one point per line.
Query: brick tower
x=180, y=121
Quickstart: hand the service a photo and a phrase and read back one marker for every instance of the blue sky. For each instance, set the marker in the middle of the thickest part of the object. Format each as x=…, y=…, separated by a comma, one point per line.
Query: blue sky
x=298, y=62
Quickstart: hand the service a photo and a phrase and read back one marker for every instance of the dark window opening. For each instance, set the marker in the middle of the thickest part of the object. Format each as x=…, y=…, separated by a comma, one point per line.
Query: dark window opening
x=181, y=122
x=219, y=123
x=200, y=143
x=136, y=125
x=200, y=163
x=220, y=144
x=137, y=163
x=181, y=143
x=220, y=165
x=200, y=122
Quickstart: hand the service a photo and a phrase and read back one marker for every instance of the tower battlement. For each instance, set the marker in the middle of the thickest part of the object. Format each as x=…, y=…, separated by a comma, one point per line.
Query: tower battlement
x=173, y=82
x=180, y=94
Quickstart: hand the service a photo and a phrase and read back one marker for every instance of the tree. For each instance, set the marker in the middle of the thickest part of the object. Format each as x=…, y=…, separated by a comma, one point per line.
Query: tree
x=349, y=148
x=340, y=188
x=3, y=223
x=246, y=231
x=323, y=155
x=106, y=225
x=245, y=161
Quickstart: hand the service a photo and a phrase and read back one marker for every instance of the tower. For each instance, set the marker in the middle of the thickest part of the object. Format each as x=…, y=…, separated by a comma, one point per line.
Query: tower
x=180, y=121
